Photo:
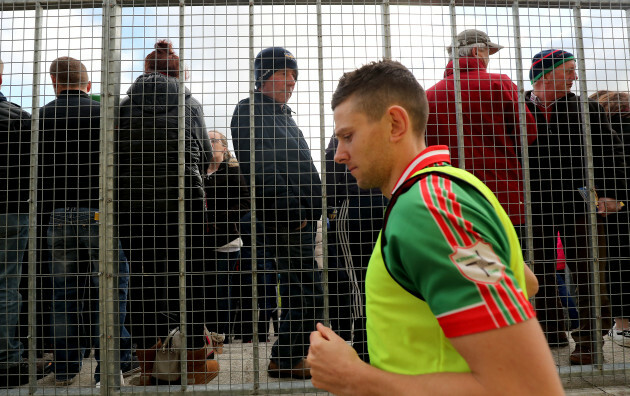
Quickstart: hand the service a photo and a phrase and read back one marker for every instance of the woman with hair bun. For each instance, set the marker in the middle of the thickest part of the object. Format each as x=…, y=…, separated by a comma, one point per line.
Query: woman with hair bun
x=148, y=201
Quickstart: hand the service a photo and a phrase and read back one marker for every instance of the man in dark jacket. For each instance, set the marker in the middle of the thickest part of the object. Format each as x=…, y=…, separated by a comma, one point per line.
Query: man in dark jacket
x=69, y=196
x=356, y=218
x=15, y=132
x=288, y=202
x=491, y=132
x=558, y=175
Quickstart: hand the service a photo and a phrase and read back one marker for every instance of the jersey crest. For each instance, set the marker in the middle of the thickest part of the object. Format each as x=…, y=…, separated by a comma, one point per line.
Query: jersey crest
x=478, y=262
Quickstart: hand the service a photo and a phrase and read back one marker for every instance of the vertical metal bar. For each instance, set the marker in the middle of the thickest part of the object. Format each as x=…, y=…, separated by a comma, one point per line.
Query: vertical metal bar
x=590, y=183
x=252, y=188
x=522, y=114
x=322, y=140
x=387, y=32
x=459, y=119
x=109, y=331
x=32, y=207
x=183, y=226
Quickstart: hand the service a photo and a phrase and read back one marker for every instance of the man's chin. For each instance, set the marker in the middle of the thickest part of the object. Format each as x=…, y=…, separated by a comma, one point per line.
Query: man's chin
x=365, y=184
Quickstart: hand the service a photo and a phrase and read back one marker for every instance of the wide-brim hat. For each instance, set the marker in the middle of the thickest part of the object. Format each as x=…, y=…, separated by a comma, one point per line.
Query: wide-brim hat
x=474, y=36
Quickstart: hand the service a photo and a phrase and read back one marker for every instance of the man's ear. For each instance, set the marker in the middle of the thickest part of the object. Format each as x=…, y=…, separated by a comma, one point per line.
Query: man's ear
x=475, y=51
x=89, y=87
x=399, y=122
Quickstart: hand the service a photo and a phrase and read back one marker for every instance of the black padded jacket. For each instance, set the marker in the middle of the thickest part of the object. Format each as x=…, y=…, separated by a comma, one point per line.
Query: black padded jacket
x=147, y=148
x=15, y=147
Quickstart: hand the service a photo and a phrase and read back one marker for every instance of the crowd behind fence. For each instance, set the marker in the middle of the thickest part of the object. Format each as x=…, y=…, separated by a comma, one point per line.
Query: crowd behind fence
x=169, y=198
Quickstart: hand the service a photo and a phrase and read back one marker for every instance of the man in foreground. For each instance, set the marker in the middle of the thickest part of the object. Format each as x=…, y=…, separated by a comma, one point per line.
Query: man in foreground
x=446, y=307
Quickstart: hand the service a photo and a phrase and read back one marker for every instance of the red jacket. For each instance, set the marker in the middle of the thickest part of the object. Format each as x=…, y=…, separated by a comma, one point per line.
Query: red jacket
x=491, y=129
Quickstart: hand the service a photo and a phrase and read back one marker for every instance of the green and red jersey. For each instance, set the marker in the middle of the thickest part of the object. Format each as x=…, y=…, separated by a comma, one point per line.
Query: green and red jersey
x=447, y=264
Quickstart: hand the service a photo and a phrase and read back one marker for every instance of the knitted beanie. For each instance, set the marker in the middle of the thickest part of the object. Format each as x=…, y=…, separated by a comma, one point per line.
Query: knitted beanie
x=546, y=61
x=271, y=60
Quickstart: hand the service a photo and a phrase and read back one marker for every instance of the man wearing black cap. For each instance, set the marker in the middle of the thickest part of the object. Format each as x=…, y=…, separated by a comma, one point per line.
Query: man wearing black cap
x=558, y=175
x=490, y=121
x=288, y=202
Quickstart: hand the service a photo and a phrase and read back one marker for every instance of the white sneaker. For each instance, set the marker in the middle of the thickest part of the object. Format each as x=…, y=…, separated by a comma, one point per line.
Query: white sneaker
x=620, y=337
x=122, y=381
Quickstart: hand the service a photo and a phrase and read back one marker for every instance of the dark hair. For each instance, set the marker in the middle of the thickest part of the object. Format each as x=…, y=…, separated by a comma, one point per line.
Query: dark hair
x=162, y=60
x=599, y=94
x=69, y=71
x=616, y=103
x=381, y=84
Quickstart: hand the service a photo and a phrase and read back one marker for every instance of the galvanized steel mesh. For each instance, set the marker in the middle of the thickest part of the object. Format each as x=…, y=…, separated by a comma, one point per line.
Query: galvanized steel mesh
x=216, y=43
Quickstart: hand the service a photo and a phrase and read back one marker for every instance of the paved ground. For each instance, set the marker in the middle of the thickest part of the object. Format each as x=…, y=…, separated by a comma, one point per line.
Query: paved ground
x=237, y=370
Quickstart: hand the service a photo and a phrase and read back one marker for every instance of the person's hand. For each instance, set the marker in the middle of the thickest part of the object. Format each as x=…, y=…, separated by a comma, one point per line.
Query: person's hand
x=606, y=206
x=332, y=361
x=302, y=225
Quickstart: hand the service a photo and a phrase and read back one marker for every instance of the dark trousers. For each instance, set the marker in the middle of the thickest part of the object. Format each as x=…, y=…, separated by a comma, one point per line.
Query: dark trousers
x=618, y=231
x=267, y=281
x=153, y=250
x=353, y=234
x=574, y=233
x=301, y=291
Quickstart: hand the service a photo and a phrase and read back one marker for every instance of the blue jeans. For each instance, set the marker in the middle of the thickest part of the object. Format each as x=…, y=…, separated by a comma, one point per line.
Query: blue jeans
x=13, y=240
x=301, y=291
x=73, y=241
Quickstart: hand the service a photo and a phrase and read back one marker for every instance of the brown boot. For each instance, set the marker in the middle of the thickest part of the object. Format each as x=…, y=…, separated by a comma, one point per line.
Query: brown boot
x=300, y=371
x=200, y=370
x=146, y=357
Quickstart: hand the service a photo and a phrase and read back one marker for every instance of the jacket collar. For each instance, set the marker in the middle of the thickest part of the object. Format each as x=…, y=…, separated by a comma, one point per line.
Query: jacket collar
x=466, y=64
x=74, y=92
x=2, y=97
x=530, y=96
x=428, y=157
x=280, y=107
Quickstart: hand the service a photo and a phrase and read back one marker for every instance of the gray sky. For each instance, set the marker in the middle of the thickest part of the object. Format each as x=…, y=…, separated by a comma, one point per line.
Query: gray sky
x=217, y=48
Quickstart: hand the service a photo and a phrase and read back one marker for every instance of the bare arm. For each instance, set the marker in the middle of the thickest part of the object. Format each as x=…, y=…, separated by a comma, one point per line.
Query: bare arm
x=531, y=282
x=513, y=360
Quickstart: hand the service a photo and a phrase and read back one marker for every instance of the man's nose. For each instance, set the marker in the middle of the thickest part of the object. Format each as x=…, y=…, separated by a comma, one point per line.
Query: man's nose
x=341, y=156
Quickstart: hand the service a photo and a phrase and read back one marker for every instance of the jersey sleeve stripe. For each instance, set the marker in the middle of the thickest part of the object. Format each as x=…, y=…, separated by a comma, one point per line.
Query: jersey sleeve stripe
x=529, y=310
x=494, y=309
x=466, y=226
x=426, y=192
x=510, y=311
x=513, y=296
x=437, y=207
x=450, y=208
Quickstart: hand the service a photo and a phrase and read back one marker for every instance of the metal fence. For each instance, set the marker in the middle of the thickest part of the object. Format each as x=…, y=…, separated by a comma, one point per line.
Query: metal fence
x=216, y=43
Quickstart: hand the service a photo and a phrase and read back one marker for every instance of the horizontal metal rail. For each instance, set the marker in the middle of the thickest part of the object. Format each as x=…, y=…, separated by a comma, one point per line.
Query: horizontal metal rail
x=18, y=5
